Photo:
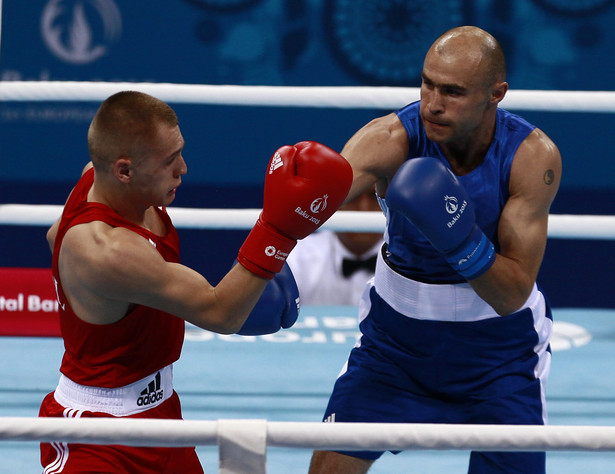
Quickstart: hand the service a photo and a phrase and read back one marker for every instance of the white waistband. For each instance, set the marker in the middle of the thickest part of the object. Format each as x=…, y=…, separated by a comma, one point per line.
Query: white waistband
x=435, y=302
x=137, y=397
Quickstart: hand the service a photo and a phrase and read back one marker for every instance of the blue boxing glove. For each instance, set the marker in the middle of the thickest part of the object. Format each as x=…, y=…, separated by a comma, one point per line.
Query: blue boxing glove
x=278, y=306
x=431, y=197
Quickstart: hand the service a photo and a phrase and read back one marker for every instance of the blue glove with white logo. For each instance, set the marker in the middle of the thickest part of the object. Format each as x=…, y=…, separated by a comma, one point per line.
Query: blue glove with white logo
x=431, y=197
x=278, y=306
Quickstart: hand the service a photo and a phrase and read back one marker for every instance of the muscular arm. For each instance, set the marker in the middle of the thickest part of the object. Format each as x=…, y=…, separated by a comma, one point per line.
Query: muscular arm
x=105, y=271
x=522, y=232
x=375, y=153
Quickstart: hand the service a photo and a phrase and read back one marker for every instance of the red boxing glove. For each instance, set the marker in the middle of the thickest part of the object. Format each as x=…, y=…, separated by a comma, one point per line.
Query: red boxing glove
x=305, y=184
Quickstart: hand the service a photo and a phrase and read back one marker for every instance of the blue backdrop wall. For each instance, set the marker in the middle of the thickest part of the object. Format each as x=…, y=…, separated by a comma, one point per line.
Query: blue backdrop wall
x=550, y=44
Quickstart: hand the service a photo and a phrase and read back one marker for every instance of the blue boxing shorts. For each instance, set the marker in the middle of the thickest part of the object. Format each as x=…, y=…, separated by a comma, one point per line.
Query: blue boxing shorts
x=439, y=354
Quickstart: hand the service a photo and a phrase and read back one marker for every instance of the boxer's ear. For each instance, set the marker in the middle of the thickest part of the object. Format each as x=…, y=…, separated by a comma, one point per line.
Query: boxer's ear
x=122, y=169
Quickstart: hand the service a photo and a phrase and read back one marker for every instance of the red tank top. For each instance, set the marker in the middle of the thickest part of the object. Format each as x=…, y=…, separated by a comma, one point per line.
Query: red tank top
x=139, y=344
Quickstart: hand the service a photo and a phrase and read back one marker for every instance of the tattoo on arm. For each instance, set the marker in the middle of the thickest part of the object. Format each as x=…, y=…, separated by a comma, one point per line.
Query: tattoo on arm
x=549, y=177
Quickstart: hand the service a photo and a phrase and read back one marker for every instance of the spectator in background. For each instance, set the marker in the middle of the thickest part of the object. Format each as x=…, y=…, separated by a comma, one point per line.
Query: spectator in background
x=331, y=268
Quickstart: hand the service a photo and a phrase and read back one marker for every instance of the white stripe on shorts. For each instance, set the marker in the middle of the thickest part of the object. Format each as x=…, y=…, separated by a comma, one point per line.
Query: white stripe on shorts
x=62, y=450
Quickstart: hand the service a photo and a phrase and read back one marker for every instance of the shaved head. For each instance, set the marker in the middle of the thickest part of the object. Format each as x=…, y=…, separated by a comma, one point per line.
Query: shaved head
x=475, y=46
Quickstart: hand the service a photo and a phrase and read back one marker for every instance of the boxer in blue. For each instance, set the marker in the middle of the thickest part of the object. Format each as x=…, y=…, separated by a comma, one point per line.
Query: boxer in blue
x=453, y=326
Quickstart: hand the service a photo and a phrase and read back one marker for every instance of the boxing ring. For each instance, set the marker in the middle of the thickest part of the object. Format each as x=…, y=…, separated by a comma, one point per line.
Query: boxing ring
x=255, y=405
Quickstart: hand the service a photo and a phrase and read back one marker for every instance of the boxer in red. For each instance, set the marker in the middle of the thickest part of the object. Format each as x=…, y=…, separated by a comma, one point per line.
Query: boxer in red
x=123, y=294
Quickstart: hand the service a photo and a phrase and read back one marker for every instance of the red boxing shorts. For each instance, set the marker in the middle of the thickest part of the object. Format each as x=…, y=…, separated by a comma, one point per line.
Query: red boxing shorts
x=59, y=457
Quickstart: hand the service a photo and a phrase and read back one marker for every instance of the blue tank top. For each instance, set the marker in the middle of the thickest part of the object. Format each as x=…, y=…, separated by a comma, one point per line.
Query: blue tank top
x=487, y=186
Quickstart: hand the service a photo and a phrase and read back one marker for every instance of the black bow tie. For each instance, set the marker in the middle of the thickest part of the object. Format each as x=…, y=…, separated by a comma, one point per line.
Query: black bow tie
x=350, y=266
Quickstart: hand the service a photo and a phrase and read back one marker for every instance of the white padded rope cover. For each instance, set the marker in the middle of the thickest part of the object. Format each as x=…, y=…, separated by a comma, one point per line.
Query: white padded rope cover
x=242, y=446
x=351, y=97
x=562, y=226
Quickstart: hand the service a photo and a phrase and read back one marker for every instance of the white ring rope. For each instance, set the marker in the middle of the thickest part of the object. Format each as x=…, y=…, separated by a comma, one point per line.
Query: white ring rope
x=242, y=444
x=250, y=438
x=352, y=97
x=351, y=436
x=562, y=226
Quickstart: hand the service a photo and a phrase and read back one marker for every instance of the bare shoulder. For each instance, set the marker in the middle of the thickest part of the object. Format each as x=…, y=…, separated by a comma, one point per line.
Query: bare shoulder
x=97, y=240
x=387, y=131
x=377, y=150
x=104, y=256
x=538, y=150
x=388, y=124
x=537, y=169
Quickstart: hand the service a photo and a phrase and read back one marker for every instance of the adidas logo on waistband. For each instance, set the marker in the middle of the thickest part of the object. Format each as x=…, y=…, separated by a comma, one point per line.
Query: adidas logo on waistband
x=152, y=394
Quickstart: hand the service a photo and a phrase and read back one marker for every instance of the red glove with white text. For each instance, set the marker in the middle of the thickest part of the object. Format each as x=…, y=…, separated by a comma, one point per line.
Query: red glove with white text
x=305, y=184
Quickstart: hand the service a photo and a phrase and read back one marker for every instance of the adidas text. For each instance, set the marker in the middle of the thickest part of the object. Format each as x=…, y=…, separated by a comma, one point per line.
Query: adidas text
x=150, y=398
x=152, y=393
